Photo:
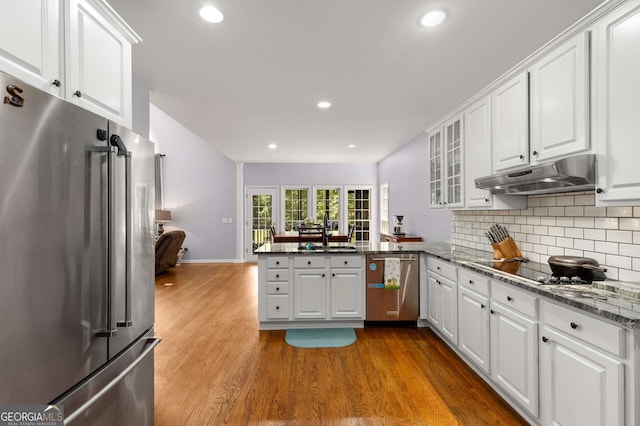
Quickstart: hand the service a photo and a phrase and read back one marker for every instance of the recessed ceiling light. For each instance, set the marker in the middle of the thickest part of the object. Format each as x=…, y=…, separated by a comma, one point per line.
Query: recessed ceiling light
x=433, y=18
x=324, y=104
x=272, y=146
x=211, y=14
x=351, y=145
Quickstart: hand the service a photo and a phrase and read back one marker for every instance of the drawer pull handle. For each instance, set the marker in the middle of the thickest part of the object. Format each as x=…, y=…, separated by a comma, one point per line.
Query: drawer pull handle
x=509, y=298
x=333, y=275
x=308, y=262
x=574, y=325
x=482, y=305
x=471, y=282
x=544, y=339
x=278, y=262
x=277, y=275
x=277, y=308
x=346, y=262
x=438, y=268
x=323, y=275
x=277, y=288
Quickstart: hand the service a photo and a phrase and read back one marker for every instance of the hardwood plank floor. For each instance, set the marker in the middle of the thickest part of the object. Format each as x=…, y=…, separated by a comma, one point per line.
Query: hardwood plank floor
x=215, y=367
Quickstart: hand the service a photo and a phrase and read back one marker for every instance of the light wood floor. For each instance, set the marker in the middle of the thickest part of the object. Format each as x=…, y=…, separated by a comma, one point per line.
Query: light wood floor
x=215, y=367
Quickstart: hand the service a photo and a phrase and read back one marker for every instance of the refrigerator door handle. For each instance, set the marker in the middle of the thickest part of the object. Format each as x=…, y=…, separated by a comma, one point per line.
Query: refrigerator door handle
x=117, y=142
x=153, y=342
x=128, y=321
x=111, y=331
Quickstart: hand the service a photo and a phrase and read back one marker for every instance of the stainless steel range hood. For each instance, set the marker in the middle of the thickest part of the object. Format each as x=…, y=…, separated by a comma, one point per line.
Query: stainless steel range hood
x=577, y=173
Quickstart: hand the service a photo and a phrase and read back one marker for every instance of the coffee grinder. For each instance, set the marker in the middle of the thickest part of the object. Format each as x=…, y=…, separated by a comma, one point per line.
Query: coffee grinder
x=398, y=228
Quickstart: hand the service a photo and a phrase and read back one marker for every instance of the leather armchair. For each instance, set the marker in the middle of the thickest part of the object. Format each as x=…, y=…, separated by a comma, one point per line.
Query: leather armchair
x=167, y=248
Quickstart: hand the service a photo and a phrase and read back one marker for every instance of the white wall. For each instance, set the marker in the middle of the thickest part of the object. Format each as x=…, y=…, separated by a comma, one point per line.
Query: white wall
x=406, y=171
x=199, y=189
x=310, y=174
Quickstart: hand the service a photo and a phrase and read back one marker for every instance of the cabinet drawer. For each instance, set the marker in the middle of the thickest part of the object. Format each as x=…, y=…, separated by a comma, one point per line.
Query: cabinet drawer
x=277, y=306
x=588, y=329
x=346, y=261
x=278, y=262
x=473, y=281
x=308, y=261
x=277, y=288
x=445, y=269
x=515, y=299
x=278, y=275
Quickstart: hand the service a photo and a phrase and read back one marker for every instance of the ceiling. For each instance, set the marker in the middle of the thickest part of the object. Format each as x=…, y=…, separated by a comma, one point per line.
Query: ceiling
x=255, y=78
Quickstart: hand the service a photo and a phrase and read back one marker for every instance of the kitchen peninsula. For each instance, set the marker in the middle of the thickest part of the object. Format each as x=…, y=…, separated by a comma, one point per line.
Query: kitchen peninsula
x=311, y=286
x=528, y=340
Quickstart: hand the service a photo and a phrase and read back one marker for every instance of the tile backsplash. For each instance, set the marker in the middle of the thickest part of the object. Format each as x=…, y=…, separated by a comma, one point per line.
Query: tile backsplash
x=562, y=224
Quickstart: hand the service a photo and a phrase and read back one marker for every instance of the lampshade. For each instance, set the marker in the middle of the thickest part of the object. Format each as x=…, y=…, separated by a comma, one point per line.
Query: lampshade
x=163, y=215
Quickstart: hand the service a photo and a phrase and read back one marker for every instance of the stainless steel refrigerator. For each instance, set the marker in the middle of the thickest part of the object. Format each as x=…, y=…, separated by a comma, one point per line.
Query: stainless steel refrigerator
x=76, y=261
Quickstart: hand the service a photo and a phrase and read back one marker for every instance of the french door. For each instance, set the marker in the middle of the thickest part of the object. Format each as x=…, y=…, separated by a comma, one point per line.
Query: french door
x=261, y=213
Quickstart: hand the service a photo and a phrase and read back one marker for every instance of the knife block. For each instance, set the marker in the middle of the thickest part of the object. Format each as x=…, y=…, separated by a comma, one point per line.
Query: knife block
x=506, y=249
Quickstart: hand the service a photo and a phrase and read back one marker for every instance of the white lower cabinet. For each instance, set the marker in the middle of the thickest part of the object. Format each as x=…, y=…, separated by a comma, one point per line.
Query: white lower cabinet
x=473, y=319
x=514, y=344
x=346, y=293
x=514, y=356
x=443, y=298
x=310, y=294
x=299, y=288
x=583, y=383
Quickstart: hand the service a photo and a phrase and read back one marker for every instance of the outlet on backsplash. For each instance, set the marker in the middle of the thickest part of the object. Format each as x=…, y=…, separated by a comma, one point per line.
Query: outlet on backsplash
x=562, y=224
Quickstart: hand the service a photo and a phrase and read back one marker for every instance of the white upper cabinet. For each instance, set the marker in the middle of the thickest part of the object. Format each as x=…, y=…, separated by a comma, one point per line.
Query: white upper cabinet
x=76, y=49
x=559, y=101
x=99, y=61
x=510, y=124
x=445, y=165
x=477, y=149
x=31, y=42
x=616, y=99
x=435, y=169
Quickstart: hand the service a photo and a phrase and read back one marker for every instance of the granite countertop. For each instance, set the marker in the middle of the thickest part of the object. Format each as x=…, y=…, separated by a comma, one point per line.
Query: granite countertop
x=615, y=300
x=341, y=248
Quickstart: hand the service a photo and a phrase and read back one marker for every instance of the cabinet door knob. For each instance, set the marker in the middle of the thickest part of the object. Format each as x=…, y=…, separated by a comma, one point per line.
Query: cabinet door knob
x=277, y=275
x=308, y=262
x=277, y=308
x=278, y=262
x=438, y=268
x=333, y=275
x=521, y=157
x=77, y=93
x=486, y=200
x=535, y=152
x=471, y=282
x=277, y=288
x=509, y=298
x=322, y=275
x=346, y=262
x=492, y=311
x=574, y=325
x=599, y=190
x=482, y=305
x=56, y=83
x=544, y=339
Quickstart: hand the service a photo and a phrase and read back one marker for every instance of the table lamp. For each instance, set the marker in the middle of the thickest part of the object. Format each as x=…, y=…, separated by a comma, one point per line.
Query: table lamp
x=162, y=216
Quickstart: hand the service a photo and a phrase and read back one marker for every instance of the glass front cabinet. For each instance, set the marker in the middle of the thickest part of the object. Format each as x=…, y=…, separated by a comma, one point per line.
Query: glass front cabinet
x=445, y=165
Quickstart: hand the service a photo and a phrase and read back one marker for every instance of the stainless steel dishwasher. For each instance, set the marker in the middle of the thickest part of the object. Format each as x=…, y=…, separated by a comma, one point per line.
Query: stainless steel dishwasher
x=390, y=304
